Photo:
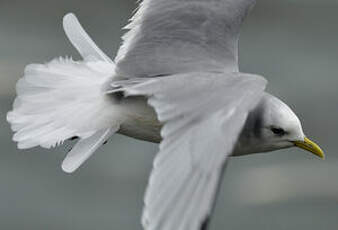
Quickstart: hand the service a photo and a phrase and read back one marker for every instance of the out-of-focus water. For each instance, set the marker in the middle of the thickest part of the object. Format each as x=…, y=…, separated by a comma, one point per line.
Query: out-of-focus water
x=292, y=43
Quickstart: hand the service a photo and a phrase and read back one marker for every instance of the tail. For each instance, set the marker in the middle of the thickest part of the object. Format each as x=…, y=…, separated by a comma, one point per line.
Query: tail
x=64, y=99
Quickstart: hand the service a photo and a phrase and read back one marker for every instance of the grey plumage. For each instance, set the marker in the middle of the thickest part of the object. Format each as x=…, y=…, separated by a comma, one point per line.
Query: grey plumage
x=178, y=36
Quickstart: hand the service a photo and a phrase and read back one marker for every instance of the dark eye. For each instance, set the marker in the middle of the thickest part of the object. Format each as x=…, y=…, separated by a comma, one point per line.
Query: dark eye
x=278, y=131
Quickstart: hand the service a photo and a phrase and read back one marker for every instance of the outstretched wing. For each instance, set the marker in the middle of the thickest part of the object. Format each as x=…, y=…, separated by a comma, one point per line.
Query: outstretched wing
x=179, y=36
x=203, y=115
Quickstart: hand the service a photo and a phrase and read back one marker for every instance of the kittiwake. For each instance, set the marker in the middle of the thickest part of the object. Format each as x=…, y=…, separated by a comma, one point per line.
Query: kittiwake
x=175, y=81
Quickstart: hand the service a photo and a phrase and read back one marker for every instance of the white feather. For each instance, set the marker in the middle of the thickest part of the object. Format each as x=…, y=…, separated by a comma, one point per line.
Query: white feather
x=65, y=98
x=81, y=40
x=59, y=100
x=85, y=148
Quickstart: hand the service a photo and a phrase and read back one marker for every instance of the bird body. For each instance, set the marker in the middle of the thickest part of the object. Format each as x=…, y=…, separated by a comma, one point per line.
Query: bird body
x=175, y=81
x=142, y=123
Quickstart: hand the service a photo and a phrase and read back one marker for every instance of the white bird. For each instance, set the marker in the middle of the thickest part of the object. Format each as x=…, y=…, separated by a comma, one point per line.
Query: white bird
x=180, y=56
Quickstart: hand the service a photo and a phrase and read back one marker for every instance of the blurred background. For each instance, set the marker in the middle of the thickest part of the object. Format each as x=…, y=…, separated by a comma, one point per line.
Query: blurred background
x=294, y=44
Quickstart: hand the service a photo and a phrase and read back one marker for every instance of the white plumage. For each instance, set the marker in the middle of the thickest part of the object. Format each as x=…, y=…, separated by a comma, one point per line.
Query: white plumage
x=64, y=98
x=59, y=100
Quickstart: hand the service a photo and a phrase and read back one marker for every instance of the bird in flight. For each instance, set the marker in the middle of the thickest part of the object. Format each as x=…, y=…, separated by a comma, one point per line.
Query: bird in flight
x=175, y=81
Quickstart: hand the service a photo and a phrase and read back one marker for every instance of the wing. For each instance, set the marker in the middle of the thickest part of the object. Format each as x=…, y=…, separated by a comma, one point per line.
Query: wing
x=178, y=36
x=203, y=115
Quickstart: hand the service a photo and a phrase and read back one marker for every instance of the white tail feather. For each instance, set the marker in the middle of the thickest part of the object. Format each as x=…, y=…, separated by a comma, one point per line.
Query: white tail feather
x=64, y=98
x=59, y=100
x=80, y=39
x=85, y=148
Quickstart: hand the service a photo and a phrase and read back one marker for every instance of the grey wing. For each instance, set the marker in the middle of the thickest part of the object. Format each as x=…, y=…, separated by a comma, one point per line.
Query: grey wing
x=178, y=36
x=203, y=115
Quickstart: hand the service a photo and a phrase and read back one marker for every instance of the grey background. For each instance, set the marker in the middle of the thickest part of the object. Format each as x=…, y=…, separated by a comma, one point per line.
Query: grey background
x=294, y=44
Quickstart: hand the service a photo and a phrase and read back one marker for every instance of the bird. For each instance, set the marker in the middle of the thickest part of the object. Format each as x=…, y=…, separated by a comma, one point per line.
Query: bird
x=175, y=81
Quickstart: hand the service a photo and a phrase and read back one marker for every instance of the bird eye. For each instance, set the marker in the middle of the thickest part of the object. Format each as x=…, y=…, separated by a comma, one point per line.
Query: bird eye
x=278, y=131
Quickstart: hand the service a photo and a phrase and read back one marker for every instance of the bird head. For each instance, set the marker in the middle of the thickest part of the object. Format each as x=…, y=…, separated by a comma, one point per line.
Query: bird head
x=281, y=128
x=272, y=125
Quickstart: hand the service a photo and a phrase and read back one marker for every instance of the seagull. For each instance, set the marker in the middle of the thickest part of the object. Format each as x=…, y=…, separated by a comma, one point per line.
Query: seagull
x=175, y=81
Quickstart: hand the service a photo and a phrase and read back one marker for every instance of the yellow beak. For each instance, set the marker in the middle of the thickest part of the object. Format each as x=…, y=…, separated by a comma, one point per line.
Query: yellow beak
x=310, y=146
